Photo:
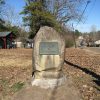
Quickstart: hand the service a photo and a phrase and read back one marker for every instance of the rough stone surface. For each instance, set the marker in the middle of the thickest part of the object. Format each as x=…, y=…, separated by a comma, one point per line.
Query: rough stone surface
x=44, y=62
x=48, y=66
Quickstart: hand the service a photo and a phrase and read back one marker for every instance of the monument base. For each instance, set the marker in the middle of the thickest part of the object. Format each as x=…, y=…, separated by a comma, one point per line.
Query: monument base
x=48, y=83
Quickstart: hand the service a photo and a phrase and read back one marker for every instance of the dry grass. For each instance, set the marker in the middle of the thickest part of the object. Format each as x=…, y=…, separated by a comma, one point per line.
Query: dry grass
x=16, y=66
x=15, y=58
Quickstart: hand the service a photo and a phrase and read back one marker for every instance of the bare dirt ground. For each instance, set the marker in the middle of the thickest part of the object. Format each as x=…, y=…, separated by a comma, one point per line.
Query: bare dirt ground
x=94, y=49
x=82, y=67
x=67, y=91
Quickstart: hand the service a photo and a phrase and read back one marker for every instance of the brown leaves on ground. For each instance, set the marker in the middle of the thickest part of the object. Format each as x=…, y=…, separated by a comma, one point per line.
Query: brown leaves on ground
x=16, y=66
x=84, y=68
x=83, y=59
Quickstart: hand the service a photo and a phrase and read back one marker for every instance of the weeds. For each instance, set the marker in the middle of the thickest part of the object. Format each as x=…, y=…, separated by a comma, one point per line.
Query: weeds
x=17, y=86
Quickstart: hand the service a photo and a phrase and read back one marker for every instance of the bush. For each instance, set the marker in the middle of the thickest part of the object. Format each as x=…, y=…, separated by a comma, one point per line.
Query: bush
x=69, y=43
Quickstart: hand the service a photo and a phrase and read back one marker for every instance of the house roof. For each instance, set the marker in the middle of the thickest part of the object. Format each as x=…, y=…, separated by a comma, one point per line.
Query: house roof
x=29, y=40
x=3, y=34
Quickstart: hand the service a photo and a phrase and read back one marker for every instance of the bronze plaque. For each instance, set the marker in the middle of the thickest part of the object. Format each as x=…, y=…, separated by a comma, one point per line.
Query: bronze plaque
x=48, y=48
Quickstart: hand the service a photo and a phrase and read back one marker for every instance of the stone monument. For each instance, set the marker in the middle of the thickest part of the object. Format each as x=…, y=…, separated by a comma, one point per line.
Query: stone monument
x=48, y=58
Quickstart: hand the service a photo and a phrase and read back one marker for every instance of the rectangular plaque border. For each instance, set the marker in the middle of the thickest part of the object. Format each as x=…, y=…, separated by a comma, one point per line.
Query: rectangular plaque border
x=54, y=52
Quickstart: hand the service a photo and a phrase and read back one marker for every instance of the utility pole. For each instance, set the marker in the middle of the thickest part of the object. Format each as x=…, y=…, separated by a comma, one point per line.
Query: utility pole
x=79, y=22
x=74, y=35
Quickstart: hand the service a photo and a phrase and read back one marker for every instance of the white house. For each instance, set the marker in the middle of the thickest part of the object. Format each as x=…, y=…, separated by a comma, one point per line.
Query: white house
x=97, y=43
x=18, y=44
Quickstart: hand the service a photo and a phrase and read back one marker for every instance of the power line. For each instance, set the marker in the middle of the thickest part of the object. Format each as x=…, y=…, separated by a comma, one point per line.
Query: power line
x=90, y=10
x=83, y=12
x=79, y=21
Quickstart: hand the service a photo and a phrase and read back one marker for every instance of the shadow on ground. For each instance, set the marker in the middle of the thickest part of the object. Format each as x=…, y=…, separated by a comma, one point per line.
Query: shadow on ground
x=87, y=71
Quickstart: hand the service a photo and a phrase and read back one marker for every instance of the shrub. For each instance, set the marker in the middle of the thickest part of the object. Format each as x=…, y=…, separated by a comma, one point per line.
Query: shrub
x=69, y=43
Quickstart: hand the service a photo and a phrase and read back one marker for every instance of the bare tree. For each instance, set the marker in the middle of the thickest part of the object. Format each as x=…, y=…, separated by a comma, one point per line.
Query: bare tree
x=11, y=16
x=2, y=2
x=66, y=10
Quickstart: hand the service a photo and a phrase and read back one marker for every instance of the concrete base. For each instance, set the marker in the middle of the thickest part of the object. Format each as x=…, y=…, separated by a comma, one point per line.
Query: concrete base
x=48, y=83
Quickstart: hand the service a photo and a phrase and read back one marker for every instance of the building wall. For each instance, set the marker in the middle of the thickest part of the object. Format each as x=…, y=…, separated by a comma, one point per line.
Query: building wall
x=19, y=44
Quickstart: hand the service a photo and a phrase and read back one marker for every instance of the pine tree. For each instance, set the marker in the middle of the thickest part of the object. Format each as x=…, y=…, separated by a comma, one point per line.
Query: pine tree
x=37, y=15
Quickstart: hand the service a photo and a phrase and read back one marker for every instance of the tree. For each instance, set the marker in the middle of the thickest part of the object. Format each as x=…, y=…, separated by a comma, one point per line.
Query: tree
x=37, y=15
x=66, y=10
x=10, y=16
x=2, y=2
x=54, y=13
x=77, y=33
x=2, y=22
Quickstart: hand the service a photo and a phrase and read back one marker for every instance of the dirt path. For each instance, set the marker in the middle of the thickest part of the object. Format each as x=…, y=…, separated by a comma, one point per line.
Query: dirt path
x=65, y=92
x=93, y=50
